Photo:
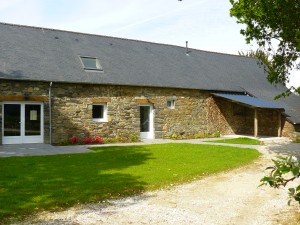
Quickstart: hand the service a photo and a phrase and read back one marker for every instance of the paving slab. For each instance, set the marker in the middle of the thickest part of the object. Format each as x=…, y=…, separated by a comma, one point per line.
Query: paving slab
x=39, y=149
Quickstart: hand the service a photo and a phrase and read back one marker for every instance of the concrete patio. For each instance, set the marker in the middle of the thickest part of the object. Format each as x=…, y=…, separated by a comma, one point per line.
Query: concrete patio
x=46, y=149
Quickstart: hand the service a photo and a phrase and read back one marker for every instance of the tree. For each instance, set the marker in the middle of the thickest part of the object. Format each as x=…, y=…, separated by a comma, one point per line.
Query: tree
x=263, y=57
x=275, y=26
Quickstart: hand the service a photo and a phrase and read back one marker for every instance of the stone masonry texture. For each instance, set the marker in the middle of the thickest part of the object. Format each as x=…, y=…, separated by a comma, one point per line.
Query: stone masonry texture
x=195, y=112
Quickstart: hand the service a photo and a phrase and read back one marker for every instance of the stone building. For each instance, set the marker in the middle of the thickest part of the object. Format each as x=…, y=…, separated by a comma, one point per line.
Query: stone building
x=56, y=84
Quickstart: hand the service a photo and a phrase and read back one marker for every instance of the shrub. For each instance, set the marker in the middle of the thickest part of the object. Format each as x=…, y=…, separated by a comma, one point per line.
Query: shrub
x=110, y=140
x=285, y=170
x=97, y=139
x=174, y=136
x=74, y=140
x=134, y=138
x=87, y=139
x=217, y=134
x=197, y=136
x=206, y=135
x=64, y=142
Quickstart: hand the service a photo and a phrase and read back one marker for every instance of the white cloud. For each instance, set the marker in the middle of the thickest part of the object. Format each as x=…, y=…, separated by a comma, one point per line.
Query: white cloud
x=294, y=79
x=20, y=12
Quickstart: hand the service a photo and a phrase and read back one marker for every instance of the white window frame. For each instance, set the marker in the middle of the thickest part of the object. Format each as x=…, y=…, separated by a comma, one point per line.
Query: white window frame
x=23, y=138
x=172, y=103
x=104, y=119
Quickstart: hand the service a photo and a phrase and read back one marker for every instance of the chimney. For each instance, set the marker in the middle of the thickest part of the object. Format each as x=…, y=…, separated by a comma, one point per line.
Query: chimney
x=187, y=48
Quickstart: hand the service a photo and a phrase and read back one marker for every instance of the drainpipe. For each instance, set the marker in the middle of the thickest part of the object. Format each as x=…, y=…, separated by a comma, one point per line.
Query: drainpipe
x=50, y=114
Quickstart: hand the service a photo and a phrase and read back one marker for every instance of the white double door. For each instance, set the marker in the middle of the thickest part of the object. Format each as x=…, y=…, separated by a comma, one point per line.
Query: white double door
x=22, y=122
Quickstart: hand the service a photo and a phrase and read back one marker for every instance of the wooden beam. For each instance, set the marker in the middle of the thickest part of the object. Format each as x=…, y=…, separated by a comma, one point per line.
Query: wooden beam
x=24, y=98
x=279, y=124
x=145, y=101
x=255, y=123
x=101, y=100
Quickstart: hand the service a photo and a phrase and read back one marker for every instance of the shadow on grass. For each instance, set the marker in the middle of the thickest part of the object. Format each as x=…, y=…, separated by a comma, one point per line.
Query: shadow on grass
x=29, y=184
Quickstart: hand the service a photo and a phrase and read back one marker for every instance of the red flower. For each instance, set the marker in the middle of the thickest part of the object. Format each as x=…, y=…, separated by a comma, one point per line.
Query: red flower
x=98, y=139
x=87, y=139
x=74, y=140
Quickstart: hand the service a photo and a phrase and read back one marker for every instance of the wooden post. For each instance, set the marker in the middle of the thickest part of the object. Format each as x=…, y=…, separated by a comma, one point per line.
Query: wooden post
x=255, y=123
x=279, y=123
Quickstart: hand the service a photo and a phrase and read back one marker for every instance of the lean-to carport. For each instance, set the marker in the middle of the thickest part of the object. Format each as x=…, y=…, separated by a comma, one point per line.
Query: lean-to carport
x=255, y=103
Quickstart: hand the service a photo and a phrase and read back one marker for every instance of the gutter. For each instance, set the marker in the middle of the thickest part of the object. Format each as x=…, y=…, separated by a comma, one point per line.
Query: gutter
x=50, y=114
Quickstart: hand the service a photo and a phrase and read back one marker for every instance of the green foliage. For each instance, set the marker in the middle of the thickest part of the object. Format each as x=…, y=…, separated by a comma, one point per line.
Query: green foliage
x=207, y=135
x=64, y=142
x=197, y=136
x=240, y=141
x=285, y=170
x=217, y=134
x=174, y=136
x=270, y=22
x=134, y=138
x=297, y=140
x=264, y=57
x=128, y=138
x=31, y=184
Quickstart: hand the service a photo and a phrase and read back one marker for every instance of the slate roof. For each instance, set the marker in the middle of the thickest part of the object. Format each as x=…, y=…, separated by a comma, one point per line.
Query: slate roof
x=30, y=53
x=251, y=101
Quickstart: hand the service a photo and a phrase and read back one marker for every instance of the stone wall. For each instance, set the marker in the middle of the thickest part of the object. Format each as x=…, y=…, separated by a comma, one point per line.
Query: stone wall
x=268, y=122
x=195, y=111
x=230, y=118
x=290, y=130
x=72, y=110
x=0, y=123
x=233, y=118
x=26, y=92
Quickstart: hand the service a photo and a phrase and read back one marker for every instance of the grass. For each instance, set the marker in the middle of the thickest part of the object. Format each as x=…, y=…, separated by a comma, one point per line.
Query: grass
x=32, y=184
x=240, y=141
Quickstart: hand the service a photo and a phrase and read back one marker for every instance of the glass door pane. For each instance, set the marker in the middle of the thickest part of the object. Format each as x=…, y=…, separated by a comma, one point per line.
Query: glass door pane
x=12, y=120
x=32, y=120
x=145, y=118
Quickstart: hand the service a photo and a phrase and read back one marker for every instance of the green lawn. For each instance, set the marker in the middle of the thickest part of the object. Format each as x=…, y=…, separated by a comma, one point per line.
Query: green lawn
x=240, y=141
x=29, y=184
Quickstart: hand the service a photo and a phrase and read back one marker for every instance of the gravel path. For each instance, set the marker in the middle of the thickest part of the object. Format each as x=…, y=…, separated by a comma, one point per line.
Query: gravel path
x=228, y=198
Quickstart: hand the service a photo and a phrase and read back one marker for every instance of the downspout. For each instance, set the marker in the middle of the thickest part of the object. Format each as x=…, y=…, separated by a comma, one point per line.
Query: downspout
x=50, y=114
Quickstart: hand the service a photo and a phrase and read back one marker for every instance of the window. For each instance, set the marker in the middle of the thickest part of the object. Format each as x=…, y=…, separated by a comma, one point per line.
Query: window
x=171, y=104
x=100, y=112
x=90, y=63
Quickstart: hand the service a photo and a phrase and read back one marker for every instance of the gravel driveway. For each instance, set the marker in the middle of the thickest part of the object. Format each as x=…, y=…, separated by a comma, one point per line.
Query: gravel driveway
x=227, y=198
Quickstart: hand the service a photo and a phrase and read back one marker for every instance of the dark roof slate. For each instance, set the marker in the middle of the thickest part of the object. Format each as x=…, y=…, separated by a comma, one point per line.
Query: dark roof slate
x=250, y=101
x=30, y=53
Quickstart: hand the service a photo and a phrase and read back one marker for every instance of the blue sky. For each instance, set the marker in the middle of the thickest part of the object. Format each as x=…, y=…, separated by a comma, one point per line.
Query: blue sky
x=206, y=24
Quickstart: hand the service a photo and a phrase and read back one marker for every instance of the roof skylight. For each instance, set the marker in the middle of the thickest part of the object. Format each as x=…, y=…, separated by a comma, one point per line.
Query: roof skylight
x=90, y=63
